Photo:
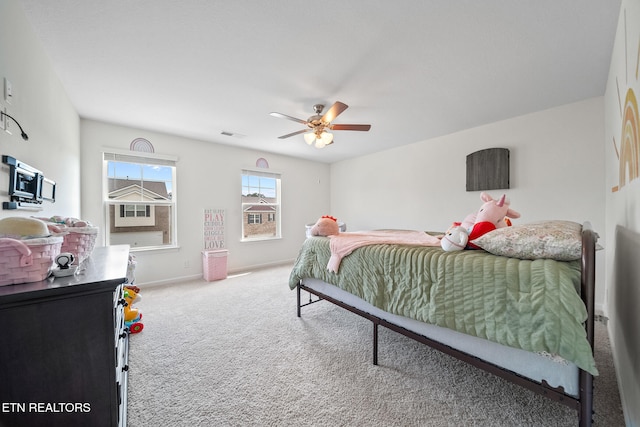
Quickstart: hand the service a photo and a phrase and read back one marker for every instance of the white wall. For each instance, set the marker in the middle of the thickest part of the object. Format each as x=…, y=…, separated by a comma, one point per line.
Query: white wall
x=208, y=176
x=623, y=208
x=45, y=112
x=557, y=172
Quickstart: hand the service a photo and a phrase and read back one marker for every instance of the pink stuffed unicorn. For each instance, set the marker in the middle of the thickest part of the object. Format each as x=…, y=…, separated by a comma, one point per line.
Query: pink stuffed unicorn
x=492, y=214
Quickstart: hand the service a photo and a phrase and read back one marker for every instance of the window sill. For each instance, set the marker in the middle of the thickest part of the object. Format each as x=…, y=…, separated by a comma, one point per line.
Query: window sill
x=154, y=248
x=260, y=239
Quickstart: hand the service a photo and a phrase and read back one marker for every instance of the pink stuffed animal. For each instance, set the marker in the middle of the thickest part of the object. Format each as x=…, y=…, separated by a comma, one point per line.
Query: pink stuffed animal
x=325, y=226
x=492, y=214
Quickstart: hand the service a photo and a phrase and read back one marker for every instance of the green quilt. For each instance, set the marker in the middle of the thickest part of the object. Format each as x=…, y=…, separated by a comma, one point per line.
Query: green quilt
x=531, y=305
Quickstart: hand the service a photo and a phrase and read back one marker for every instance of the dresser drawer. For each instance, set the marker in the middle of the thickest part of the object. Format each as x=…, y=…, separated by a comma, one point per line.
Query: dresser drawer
x=118, y=313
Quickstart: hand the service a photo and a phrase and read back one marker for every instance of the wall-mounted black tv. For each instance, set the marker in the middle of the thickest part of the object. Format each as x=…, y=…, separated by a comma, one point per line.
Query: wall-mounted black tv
x=28, y=187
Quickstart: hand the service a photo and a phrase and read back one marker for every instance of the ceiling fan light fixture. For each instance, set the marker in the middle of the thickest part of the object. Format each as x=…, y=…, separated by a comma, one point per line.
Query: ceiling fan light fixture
x=326, y=138
x=317, y=125
x=309, y=137
x=323, y=139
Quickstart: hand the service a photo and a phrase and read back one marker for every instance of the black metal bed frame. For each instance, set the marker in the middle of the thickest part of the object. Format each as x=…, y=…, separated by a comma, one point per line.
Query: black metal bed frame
x=583, y=403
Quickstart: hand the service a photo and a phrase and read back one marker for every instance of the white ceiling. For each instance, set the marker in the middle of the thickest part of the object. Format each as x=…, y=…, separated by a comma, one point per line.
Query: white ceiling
x=413, y=69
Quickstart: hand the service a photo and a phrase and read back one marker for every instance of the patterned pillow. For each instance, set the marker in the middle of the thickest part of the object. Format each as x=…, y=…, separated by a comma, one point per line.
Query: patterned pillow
x=559, y=240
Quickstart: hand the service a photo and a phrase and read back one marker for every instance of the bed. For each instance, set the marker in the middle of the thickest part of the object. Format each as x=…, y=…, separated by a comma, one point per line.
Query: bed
x=522, y=308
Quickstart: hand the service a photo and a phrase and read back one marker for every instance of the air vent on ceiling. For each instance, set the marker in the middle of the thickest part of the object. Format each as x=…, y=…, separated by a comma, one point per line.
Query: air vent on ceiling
x=235, y=135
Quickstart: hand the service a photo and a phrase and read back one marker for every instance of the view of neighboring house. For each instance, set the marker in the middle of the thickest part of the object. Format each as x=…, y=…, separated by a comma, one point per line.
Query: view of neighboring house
x=259, y=217
x=132, y=220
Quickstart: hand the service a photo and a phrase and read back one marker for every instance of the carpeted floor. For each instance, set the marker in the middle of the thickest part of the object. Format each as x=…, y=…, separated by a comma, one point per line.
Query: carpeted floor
x=233, y=353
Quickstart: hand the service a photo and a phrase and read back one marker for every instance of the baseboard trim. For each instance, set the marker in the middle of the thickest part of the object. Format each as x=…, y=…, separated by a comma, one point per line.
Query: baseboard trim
x=232, y=271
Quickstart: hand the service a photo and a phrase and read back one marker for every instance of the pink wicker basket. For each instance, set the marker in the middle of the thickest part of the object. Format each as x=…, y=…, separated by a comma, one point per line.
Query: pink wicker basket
x=30, y=260
x=80, y=241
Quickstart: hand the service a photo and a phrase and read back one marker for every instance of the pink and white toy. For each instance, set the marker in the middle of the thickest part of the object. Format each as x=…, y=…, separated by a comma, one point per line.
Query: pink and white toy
x=491, y=215
x=455, y=239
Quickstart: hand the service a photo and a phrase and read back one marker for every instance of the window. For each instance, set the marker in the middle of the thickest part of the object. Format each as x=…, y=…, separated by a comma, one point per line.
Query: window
x=135, y=215
x=135, y=210
x=255, y=219
x=140, y=200
x=260, y=205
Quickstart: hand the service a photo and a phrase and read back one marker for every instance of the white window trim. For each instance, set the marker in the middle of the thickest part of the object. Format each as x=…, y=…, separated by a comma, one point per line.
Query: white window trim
x=161, y=159
x=277, y=215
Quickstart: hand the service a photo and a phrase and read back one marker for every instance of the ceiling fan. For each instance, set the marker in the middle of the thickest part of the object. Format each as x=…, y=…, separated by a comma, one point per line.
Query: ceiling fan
x=317, y=125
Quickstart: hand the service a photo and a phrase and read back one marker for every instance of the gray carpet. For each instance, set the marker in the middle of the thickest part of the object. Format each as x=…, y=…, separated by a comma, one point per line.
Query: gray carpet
x=233, y=353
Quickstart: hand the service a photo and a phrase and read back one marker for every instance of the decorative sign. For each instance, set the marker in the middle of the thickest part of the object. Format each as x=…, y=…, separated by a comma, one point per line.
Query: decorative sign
x=213, y=229
x=625, y=66
x=488, y=169
x=142, y=145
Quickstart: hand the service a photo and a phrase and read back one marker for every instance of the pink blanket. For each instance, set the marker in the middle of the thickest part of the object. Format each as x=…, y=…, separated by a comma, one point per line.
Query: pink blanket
x=343, y=244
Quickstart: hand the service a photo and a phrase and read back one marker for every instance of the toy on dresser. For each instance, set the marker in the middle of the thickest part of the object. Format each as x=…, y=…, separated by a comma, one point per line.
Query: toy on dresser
x=65, y=265
x=132, y=316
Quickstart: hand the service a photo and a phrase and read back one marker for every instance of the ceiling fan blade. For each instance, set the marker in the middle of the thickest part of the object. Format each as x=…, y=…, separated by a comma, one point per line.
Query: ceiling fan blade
x=284, y=116
x=334, y=111
x=293, y=134
x=350, y=127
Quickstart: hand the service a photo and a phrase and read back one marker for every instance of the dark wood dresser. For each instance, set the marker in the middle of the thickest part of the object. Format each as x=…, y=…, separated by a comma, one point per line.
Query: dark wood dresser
x=64, y=347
